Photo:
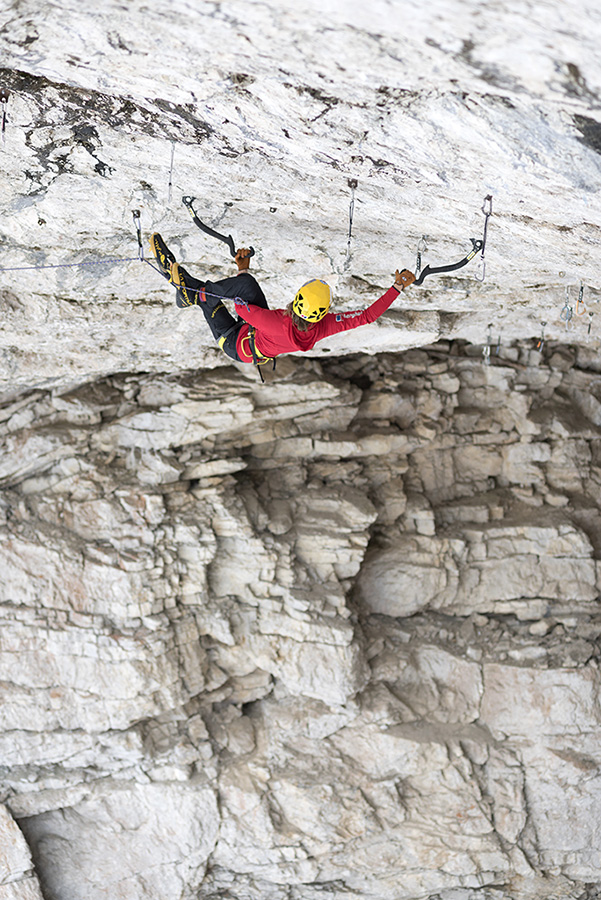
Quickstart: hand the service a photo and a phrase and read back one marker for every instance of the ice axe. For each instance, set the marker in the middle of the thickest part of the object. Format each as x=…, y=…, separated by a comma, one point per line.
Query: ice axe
x=188, y=203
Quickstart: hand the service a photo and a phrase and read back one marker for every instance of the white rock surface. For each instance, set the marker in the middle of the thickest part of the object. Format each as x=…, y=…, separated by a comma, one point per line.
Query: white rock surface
x=270, y=114
x=365, y=668
x=152, y=840
x=17, y=879
x=335, y=636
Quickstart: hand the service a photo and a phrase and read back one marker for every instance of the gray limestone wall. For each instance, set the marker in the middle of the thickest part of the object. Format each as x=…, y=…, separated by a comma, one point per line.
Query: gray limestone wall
x=335, y=635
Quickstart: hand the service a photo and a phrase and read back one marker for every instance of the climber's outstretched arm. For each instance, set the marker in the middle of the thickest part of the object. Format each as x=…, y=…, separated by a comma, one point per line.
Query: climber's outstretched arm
x=344, y=321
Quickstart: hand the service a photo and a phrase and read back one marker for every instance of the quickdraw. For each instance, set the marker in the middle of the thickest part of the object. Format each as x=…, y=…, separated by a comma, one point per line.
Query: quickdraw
x=170, y=185
x=137, y=222
x=435, y=270
x=487, y=347
x=3, y=100
x=567, y=311
x=351, y=214
x=487, y=214
x=422, y=246
x=580, y=304
x=188, y=203
x=541, y=342
x=352, y=183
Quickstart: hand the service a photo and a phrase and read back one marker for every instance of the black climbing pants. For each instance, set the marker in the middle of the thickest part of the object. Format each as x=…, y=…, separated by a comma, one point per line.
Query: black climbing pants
x=224, y=327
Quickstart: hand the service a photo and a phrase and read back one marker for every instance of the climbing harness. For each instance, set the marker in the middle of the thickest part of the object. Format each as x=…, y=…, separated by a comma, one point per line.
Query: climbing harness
x=487, y=210
x=3, y=101
x=541, y=342
x=257, y=357
x=434, y=270
x=567, y=312
x=188, y=203
x=580, y=302
x=422, y=246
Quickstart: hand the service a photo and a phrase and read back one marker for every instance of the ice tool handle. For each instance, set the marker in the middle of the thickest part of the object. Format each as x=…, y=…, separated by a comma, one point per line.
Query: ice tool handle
x=434, y=270
x=188, y=203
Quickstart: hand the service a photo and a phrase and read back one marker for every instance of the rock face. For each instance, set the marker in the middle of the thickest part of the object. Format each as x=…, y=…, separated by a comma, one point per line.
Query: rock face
x=334, y=636
x=17, y=880
x=329, y=136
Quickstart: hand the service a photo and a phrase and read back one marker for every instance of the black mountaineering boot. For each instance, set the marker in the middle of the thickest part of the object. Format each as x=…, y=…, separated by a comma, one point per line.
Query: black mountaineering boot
x=163, y=254
x=179, y=300
x=186, y=294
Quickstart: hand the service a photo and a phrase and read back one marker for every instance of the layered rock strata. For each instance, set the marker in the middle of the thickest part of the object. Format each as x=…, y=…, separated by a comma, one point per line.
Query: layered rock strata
x=332, y=137
x=335, y=635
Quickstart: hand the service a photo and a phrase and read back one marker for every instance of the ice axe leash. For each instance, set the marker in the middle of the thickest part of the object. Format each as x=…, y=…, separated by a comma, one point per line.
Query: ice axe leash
x=188, y=203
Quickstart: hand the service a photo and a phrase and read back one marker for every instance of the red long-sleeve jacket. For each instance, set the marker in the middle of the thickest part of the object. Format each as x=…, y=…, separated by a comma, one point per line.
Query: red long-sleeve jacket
x=276, y=333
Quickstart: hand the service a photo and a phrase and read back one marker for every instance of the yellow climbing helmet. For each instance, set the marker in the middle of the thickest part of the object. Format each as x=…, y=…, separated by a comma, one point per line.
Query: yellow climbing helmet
x=312, y=301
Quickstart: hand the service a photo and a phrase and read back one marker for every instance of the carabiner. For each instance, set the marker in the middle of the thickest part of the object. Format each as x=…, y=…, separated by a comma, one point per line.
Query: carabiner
x=3, y=100
x=487, y=214
x=567, y=312
x=351, y=216
x=580, y=301
x=422, y=246
x=487, y=347
x=136, y=214
x=541, y=342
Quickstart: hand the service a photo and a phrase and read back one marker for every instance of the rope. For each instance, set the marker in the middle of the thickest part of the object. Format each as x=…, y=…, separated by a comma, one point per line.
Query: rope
x=192, y=290
x=94, y=262
x=100, y=262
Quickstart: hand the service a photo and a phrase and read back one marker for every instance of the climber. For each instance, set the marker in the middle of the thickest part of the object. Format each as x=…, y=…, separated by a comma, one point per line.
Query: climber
x=261, y=334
